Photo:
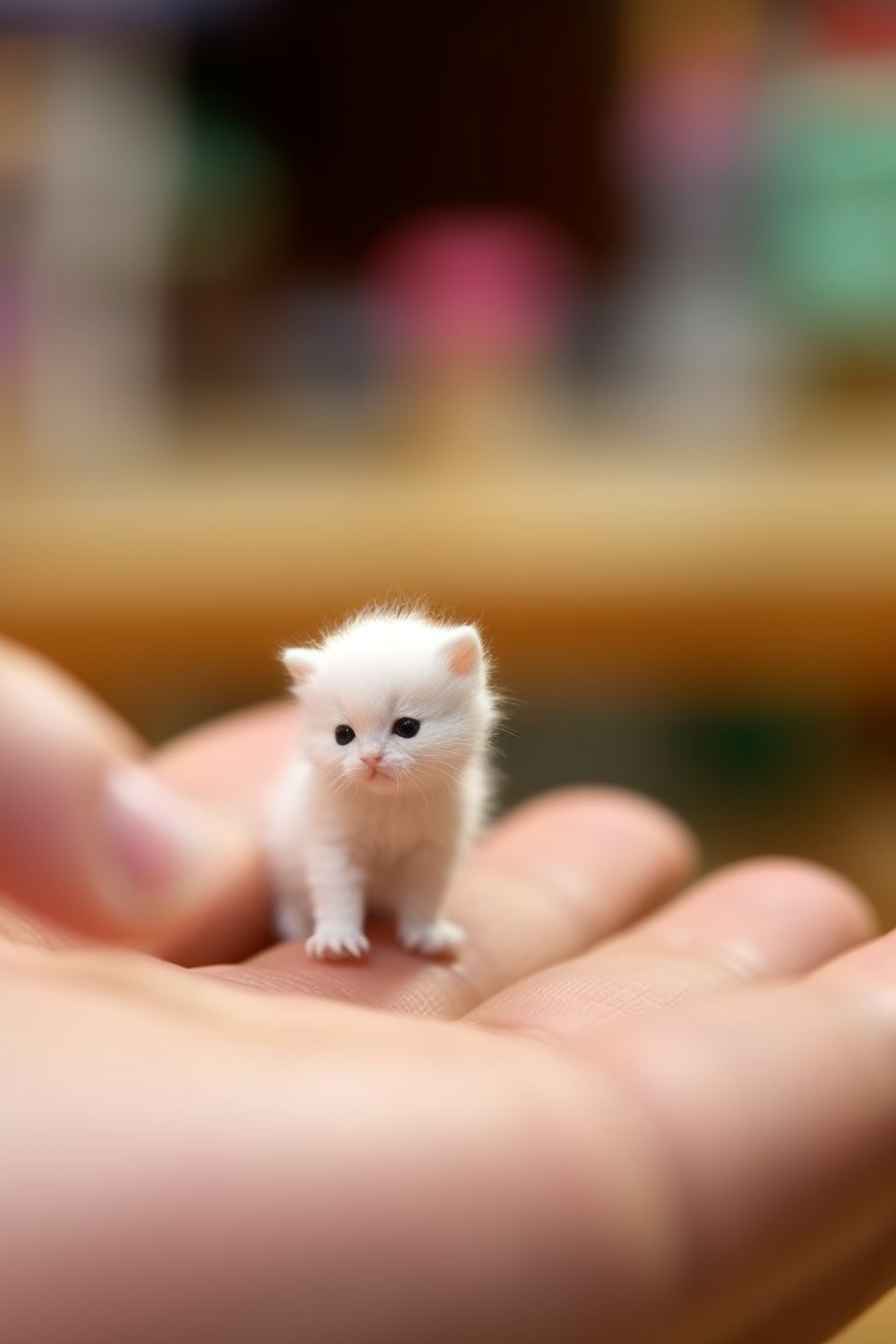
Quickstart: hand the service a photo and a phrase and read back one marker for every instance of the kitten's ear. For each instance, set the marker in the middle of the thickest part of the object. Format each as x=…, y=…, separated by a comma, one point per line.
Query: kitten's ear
x=300, y=664
x=463, y=650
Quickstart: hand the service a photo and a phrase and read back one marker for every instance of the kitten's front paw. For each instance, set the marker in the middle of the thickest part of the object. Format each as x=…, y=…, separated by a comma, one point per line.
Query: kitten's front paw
x=435, y=938
x=335, y=943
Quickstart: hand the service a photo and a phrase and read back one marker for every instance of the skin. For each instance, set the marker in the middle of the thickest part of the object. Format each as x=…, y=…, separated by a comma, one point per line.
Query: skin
x=637, y=1107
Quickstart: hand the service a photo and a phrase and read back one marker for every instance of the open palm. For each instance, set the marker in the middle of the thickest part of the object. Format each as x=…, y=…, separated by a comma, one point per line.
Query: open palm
x=618, y=1115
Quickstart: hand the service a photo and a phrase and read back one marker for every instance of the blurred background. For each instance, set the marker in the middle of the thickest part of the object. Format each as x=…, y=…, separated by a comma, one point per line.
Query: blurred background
x=575, y=319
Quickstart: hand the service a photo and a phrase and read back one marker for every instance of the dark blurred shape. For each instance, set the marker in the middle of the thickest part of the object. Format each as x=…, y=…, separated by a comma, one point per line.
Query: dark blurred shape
x=386, y=113
x=324, y=338
x=80, y=14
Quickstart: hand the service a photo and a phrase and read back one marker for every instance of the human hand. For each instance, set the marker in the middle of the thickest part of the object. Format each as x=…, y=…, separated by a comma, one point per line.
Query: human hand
x=675, y=1125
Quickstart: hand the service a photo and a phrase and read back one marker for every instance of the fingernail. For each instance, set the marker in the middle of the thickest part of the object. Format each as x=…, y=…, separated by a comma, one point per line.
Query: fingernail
x=158, y=845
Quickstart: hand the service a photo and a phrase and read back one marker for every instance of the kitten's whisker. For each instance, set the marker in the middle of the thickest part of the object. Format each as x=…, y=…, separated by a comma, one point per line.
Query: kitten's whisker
x=412, y=776
x=341, y=785
x=446, y=772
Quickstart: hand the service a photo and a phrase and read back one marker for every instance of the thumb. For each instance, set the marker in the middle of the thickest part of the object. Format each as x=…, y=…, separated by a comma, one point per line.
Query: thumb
x=92, y=840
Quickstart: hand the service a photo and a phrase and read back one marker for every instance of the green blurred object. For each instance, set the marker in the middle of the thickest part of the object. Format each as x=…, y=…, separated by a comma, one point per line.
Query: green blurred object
x=757, y=754
x=692, y=755
x=231, y=196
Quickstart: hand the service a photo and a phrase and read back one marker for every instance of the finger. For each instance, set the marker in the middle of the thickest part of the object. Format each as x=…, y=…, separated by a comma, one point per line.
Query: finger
x=546, y=883
x=755, y=921
x=777, y=1107
x=231, y=763
x=872, y=967
x=92, y=842
x=25, y=928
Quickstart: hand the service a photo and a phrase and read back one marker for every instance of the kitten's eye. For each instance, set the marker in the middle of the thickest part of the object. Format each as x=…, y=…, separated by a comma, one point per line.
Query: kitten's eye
x=406, y=727
x=344, y=734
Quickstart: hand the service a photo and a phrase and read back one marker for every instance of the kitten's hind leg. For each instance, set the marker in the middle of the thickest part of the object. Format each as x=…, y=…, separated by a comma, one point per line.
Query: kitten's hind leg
x=290, y=910
x=420, y=889
x=289, y=923
x=431, y=938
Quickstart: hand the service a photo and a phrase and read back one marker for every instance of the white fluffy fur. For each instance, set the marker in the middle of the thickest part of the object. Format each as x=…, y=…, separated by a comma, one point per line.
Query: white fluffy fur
x=342, y=840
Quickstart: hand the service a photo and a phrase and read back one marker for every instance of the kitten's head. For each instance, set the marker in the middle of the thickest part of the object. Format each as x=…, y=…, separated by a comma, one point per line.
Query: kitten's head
x=392, y=701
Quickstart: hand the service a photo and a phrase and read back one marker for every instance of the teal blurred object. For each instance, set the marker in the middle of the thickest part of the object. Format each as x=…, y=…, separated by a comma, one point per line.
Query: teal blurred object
x=831, y=223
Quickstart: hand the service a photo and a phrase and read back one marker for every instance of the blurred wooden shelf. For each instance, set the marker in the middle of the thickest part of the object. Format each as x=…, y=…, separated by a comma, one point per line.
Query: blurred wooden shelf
x=877, y=1327
x=733, y=574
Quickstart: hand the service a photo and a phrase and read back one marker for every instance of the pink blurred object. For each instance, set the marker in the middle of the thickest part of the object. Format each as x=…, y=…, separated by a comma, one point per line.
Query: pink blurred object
x=691, y=116
x=482, y=289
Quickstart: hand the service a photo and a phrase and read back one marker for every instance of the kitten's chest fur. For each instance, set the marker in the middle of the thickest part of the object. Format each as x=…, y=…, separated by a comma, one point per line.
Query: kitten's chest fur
x=385, y=830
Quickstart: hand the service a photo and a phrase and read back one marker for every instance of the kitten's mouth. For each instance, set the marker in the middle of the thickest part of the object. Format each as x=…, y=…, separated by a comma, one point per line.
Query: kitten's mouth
x=375, y=774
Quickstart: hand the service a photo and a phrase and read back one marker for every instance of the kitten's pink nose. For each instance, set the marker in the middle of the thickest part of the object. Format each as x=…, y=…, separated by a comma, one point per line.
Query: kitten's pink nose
x=372, y=759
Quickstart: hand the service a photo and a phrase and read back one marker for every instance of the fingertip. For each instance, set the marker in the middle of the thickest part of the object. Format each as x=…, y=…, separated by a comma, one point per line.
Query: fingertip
x=580, y=820
x=91, y=840
x=763, y=917
x=812, y=891
x=36, y=694
x=229, y=762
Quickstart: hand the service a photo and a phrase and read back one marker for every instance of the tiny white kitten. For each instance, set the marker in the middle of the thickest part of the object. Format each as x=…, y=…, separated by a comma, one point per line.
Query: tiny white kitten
x=389, y=784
